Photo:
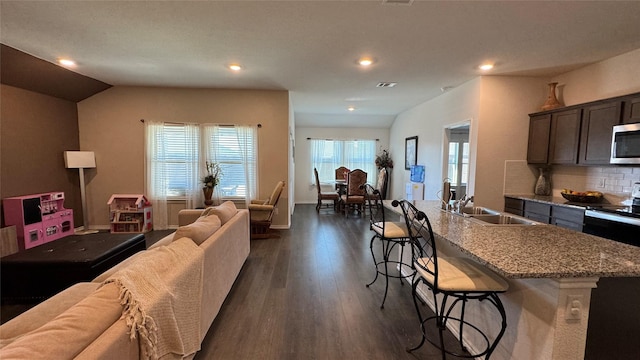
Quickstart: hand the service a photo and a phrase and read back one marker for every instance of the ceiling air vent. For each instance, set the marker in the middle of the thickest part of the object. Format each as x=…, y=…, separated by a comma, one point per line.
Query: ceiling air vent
x=386, y=84
x=397, y=2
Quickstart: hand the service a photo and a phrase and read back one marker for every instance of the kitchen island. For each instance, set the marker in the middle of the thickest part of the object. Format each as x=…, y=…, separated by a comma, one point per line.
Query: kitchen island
x=551, y=272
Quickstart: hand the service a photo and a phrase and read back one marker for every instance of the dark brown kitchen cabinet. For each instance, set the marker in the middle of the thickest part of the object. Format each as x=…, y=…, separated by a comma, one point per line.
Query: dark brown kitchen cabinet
x=537, y=211
x=514, y=206
x=631, y=110
x=538, y=148
x=564, y=137
x=566, y=217
x=597, y=125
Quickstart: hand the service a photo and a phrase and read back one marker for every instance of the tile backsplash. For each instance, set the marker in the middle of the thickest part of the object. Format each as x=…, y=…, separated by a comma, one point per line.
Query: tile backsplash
x=614, y=181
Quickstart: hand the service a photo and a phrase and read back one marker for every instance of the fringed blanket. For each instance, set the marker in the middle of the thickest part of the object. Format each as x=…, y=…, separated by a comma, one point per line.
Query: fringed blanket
x=161, y=294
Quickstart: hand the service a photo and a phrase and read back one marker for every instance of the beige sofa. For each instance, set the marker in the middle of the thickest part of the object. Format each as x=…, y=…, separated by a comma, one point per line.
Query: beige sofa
x=159, y=303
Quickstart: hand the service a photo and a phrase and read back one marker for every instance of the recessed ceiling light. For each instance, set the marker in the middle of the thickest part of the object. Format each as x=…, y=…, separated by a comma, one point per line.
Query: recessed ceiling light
x=366, y=61
x=67, y=62
x=235, y=67
x=351, y=108
x=486, y=67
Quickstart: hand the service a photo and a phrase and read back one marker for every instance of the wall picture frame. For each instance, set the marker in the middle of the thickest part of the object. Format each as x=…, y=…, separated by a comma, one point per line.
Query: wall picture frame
x=410, y=152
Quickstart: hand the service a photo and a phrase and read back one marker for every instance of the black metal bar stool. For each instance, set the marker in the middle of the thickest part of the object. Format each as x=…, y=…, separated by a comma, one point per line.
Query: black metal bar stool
x=391, y=235
x=458, y=280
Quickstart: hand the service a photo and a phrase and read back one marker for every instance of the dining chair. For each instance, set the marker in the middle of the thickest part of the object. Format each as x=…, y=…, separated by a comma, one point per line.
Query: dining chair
x=341, y=173
x=391, y=235
x=458, y=279
x=381, y=186
x=333, y=196
x=354, y=197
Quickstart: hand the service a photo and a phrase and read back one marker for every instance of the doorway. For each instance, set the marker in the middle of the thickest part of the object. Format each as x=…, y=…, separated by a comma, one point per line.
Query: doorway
x=457, y=157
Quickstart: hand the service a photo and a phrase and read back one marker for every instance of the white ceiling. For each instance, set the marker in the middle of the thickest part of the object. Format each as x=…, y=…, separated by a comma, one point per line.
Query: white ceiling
x=310, y=47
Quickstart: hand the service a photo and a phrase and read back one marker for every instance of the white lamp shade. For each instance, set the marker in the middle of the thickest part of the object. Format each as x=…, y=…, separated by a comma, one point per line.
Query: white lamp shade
x=79, y=159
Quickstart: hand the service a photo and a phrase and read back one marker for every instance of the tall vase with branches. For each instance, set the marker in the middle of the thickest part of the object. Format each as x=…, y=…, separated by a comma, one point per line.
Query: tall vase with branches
x=210, y=181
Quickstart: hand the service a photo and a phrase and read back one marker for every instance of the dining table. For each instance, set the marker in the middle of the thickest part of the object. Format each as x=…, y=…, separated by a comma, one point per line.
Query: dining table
x=341, y=186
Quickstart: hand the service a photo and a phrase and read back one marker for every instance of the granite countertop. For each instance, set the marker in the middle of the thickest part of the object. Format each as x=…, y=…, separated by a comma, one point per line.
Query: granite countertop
x=534, y=251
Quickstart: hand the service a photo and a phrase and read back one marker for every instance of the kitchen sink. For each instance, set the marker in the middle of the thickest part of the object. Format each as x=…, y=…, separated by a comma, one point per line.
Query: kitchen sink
x=500, y=219
x=479, y=210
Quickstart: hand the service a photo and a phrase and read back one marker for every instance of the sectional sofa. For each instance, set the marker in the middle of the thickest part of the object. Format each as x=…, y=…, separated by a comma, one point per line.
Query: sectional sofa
x=159, y=303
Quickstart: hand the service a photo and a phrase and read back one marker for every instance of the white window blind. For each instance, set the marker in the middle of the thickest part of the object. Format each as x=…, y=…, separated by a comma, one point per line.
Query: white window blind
x=234, y=148
x=177, y=153
x=328, y=155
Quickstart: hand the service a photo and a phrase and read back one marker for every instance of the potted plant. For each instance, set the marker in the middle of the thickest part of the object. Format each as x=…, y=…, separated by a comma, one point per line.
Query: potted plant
x=210, y=181
x=384, y=160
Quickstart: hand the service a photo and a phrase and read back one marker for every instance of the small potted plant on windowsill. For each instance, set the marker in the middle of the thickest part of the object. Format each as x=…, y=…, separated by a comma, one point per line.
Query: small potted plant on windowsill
x=210, y=181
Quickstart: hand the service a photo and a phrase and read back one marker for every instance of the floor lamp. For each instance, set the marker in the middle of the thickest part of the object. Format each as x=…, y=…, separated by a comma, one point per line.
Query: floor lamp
x=81, y=160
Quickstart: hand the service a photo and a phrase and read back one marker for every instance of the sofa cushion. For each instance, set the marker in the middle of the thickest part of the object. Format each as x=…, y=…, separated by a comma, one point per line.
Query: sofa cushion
x=225, y=211
x=44, y=312
x=200, y=230
x=69, y=333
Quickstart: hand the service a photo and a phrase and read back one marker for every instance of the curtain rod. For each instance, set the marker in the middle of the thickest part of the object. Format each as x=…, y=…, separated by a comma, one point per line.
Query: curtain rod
x=177, y=123
x=341, y=139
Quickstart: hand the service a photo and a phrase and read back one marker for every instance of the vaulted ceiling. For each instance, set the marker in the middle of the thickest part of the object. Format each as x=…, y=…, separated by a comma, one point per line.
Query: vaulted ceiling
x=311, y=48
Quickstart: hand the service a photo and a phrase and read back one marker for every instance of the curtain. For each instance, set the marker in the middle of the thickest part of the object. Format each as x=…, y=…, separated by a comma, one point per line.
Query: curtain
x=248, y=143
x=156, y=170
x=194, y=168
x=235, y=149
x=328, y=155
x=172, y=167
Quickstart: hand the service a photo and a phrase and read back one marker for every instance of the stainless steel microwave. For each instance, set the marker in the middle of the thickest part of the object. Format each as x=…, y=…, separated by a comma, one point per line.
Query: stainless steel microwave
x=625, y=144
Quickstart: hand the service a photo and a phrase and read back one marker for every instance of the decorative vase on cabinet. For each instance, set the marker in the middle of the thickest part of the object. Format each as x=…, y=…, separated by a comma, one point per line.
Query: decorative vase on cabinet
x=543, y=184
x=552, y=101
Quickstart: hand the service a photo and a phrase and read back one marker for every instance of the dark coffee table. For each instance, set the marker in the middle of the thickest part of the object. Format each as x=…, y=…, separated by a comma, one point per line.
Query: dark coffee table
x=43, y=271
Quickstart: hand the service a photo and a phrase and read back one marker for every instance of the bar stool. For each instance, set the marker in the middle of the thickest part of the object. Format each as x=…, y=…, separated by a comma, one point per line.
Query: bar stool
x=391, y=234
x=457, y=279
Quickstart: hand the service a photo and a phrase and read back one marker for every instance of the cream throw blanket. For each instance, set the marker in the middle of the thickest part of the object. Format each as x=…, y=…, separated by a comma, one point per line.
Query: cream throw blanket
x=161, y=292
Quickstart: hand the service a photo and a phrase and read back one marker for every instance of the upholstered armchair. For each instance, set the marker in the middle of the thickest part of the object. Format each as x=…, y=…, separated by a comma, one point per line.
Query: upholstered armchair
x=261, y=213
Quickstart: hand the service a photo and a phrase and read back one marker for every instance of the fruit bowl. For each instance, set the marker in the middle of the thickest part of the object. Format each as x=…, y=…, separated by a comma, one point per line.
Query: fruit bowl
x=583, y=197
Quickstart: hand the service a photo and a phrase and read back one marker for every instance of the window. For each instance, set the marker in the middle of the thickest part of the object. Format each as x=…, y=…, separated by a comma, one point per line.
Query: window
x=177, y=153
x=173, y=156
x=235, y=149
x=328, y=155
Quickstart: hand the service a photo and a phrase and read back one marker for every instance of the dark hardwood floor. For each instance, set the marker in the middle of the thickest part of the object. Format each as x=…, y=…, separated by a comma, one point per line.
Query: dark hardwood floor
x=303, y=296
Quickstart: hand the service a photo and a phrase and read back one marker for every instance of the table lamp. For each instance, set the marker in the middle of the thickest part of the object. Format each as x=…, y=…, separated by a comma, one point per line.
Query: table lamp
x=81, y=160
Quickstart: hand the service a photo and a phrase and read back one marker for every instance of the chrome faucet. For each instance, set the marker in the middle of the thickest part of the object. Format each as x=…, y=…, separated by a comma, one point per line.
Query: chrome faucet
x=458, y=205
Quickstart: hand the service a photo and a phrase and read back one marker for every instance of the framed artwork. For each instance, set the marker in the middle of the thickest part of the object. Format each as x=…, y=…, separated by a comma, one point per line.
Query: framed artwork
x=410, y=152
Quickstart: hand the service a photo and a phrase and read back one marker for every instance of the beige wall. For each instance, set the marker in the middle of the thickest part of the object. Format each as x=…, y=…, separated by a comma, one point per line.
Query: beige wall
x=35, y=131
x=427, y=121
x=503, y=130
x=109, y=124
x=616, y=76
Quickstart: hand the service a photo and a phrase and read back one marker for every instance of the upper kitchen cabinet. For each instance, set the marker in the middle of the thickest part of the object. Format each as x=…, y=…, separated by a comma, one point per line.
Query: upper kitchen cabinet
x=597, y=125
x=564, y=137
x=631, y=106
x=553, y=137
x=579, y=134
x=539, y=128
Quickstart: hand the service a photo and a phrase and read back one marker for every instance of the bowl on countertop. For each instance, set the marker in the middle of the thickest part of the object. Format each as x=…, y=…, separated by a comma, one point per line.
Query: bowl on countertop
x=591, y=199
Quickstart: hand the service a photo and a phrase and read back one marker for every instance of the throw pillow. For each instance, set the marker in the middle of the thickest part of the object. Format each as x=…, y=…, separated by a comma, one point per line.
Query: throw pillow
x=200, y=230
x=225, y=211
